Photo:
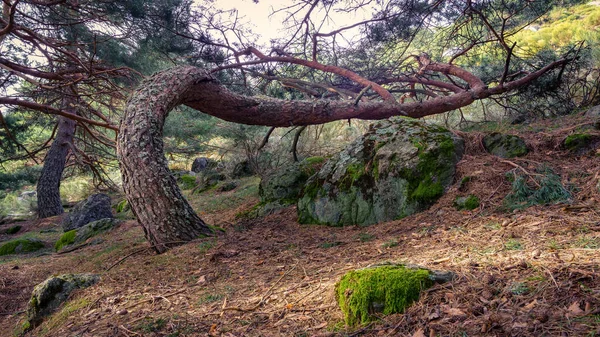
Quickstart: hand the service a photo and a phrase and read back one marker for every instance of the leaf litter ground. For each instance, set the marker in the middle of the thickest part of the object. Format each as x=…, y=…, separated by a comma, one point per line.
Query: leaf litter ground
x=532, y=272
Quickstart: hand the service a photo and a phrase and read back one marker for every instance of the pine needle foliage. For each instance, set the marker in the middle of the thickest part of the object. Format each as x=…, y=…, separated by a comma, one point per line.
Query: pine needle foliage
x=541, y=189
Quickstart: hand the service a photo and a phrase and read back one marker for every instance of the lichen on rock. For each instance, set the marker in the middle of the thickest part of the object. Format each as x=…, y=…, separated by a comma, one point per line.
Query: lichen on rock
x=50, y=294
x=284, y=186
x=399, y=167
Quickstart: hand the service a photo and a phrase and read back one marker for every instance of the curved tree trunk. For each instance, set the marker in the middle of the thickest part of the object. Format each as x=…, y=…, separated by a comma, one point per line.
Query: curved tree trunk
x=151, y=190
x=154, y=197
x=48, y=186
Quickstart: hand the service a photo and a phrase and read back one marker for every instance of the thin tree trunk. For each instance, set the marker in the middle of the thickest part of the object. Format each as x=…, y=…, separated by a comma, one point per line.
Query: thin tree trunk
x=48, y=187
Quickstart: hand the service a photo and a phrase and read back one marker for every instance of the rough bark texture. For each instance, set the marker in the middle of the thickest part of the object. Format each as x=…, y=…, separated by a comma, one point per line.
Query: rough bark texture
x=151, y=190
x=48, y=187
x=154, y=197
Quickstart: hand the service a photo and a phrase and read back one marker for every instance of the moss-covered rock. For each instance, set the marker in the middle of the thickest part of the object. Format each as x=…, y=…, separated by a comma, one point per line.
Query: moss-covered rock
x=48, y=295
x=581, y=143
x=399, y=167
x=80, y=235
x=466, y=203
x=66, y=239
x=505, y=146
x=384, y=289
x=284, y=186
x=95, y=207
x=13, y=229
x=21, y=245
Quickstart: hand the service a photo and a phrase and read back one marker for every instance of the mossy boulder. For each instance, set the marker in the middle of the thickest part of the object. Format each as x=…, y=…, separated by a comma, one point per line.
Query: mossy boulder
x=505, y=146
x=581, y=143
x=468, y=203
x=385, y=289
x=399, y=167
x=284, y=186
x=95, y=207
x=21, y=245
x=50, y=294
x=13, y=230
x=82, y=234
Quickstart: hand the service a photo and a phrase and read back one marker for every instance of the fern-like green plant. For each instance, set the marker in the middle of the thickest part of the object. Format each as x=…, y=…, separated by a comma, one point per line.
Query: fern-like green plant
x=547, y=189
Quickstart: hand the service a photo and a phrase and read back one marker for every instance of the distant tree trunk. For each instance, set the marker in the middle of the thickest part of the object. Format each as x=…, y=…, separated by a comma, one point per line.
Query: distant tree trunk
x=48, y=187
x=150, y=188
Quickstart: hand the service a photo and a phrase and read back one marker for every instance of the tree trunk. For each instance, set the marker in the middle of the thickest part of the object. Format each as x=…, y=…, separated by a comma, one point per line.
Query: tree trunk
x=154, y=197
x=151, y=190
x=48, y=187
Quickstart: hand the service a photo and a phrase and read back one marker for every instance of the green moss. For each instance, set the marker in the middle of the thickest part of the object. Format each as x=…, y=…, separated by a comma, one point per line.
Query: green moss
x=122, y=206
x=13, y=229
x=466, y=203
x=427, y=191
x=387, y=289
x=577, y=141
x=20, y=246
x=188, y=182
x=66, y=239
x=314, y=160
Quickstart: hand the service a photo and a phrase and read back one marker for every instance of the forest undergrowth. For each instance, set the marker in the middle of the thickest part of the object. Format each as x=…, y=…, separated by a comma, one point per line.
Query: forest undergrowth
x=521, y=271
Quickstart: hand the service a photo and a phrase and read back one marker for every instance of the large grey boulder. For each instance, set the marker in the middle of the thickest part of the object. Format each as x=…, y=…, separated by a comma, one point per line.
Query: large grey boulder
x=96, y=207
x=399, y=167
x=505, y=146
x=50, y=294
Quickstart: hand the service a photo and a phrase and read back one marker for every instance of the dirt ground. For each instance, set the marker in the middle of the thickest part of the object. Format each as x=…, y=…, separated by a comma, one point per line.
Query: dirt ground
x=532, y=272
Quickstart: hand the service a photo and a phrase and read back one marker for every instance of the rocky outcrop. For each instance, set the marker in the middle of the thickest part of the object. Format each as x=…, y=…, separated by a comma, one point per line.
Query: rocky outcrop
x=242, y=169
x=505, y=146
x=284, y=186
x=96, y=207
x=399, y=167
x=48, y=295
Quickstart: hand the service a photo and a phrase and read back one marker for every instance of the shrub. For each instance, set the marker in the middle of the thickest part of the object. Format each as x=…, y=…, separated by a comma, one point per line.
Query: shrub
x=545, y=188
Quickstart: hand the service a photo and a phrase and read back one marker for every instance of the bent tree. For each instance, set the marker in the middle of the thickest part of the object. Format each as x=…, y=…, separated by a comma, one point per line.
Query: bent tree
x=151, y=190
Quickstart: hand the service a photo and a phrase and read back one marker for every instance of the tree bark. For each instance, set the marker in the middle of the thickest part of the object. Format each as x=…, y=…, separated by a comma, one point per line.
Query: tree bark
x=48, y=187
x=154, y=197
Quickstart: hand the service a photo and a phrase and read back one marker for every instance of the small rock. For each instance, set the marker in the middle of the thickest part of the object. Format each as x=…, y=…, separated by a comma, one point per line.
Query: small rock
x=122, y=312
x=50, y=294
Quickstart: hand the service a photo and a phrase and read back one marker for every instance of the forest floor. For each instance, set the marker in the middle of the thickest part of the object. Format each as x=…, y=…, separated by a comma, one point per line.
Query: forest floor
x=530, y=272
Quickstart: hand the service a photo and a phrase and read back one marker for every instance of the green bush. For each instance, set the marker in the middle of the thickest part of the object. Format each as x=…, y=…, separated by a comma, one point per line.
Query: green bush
x=19, y=178
x=188, y=182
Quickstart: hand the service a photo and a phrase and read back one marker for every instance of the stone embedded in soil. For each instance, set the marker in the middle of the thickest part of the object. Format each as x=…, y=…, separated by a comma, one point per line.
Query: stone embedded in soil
x=96, y=207
x=50, y=294
x=505, y=146
x=399, y=167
